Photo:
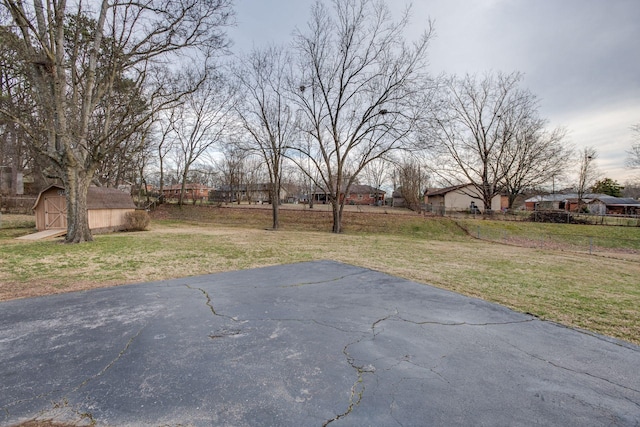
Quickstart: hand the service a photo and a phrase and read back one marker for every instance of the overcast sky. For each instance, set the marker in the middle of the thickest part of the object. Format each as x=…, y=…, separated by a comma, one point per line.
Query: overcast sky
x=581, y=58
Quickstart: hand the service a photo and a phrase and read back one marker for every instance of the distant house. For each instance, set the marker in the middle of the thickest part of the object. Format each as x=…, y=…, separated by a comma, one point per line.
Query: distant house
x=599, y=204
x=547, y=202
x=252, y=193
x=364, y=195
x=192, y=192
x=463, y=197
x=358, y=195
x=107, y=208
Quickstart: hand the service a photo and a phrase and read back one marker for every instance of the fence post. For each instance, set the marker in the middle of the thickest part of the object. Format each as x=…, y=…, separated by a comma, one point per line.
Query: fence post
x=478, y=232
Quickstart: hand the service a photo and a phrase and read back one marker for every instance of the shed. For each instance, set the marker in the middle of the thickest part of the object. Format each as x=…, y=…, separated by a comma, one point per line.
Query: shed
x=106, y=208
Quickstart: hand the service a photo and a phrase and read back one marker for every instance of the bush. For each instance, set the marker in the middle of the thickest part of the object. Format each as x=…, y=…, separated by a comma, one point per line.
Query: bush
x=137, y=221
x=556, y=217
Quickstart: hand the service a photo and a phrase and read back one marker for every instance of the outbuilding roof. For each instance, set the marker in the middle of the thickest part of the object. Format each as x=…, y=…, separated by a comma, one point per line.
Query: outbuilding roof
x=100, y=198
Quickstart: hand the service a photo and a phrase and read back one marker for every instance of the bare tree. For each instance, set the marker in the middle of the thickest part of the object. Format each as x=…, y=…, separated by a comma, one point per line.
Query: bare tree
x=254, y=180
x=483, y=128
x=631, y=189
x=75, y=60
x=412, y=180
x=163, y=145
x=200, y=122
x=232, y=166
x=534, y=156
x=308, y=162
x=633, y=161
x=15, y=158
x=266, y=113
x=356, y=90
x=587, y=173
x=376, y=173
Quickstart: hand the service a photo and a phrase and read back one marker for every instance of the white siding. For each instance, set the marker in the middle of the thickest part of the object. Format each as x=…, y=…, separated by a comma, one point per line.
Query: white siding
x=461, y=199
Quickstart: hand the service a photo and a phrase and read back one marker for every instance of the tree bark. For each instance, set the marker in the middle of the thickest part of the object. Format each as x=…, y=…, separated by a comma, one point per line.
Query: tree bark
x=337, y=216
x=275, y=204
x=77, y=184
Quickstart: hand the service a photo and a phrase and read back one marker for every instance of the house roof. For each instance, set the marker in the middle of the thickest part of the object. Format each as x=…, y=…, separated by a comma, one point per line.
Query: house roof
x=246, y=187
x=551, y=198
x=100, y=198
x=186, y=187
x=365, y=189
x=587, y=198
x=441, y=191
x=354, y=189
x=619, y=201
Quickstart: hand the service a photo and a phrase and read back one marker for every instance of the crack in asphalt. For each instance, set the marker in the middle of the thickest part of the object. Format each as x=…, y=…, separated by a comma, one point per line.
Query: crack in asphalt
x=113, y=362
x=78, y=387
x=575, y=371
x=431, y=322
x=225, y=333
x=335, y=279
x=374, y=324
x=5, y=408
x=398, y=317
x=358, y=387
x=210, y=305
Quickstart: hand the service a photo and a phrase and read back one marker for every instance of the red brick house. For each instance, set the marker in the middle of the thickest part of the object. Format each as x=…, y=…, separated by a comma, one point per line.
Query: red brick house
x=193, y=192
x=364, y=195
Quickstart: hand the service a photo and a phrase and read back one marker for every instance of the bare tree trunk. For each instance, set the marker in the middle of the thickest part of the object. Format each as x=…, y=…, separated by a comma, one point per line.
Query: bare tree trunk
x=360, y=90
x=183, y=187
x=336, y=208
x=77, y=186
x=78, y=115
x=275, y=204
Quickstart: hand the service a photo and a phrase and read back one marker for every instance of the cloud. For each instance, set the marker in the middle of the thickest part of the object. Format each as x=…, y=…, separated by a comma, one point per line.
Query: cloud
x=580, y=57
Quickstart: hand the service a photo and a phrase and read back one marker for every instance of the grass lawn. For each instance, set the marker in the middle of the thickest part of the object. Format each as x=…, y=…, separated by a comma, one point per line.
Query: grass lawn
x=593, y=292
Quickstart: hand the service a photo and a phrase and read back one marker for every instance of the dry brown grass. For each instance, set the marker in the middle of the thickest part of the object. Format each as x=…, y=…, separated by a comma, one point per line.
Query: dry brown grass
x=591, y=292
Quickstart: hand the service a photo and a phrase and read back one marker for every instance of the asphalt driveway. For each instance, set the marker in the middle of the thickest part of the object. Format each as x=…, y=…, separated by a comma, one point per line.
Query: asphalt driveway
x=308, y=344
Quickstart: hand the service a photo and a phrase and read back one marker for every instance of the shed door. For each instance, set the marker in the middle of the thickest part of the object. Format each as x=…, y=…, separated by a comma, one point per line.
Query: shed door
x=55, y=212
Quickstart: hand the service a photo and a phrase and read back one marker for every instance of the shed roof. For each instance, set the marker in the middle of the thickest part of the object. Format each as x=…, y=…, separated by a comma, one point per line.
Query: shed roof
x=100, y=198
x=108, y=198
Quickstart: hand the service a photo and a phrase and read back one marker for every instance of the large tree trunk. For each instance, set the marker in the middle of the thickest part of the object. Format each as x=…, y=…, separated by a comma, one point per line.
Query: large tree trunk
x=183, y=187
x=77, y=186
x=336, y=206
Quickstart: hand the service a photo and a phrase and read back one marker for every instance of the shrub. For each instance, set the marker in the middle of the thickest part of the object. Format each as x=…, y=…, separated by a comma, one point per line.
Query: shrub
x=555, y=217
x=137, y=220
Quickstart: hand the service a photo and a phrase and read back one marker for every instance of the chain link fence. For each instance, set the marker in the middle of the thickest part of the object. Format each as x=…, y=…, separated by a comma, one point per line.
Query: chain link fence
x=544, y=216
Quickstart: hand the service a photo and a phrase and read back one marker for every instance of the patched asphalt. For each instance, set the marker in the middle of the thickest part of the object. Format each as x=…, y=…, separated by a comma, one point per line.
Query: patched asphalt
x=309, y=344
